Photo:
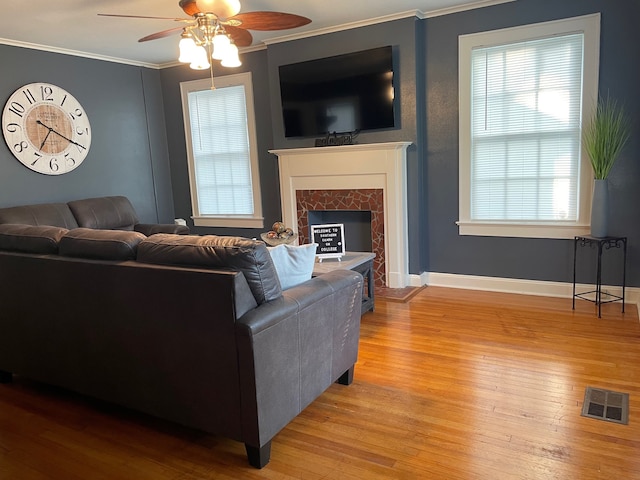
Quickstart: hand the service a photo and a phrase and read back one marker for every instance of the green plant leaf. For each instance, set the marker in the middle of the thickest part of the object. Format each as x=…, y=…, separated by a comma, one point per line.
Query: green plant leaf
x=605, y=136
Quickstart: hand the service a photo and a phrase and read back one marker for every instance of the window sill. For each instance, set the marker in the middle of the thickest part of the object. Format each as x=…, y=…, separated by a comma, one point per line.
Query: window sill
x=522, y=230
x=229, y=221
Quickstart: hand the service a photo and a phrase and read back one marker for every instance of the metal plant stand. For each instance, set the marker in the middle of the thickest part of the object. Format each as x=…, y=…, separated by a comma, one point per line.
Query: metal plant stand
x=602, y=243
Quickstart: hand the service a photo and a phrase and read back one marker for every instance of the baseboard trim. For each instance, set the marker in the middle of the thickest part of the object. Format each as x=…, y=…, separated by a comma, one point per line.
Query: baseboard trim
x=515, y=285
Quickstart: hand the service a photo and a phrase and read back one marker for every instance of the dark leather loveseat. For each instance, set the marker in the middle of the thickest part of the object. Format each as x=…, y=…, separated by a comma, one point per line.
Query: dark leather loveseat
x=196, y=330
x=105, y=213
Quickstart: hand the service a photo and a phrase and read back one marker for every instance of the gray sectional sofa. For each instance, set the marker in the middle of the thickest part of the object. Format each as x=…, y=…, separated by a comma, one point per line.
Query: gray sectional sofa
x=193, y=329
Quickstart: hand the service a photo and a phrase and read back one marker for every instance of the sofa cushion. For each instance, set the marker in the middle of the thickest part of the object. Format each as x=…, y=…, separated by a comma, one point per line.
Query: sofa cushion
x=294, y=263
x=30, y=238
x=53, y=214
x=107, y=213
x=100, y=244
x=210, y=251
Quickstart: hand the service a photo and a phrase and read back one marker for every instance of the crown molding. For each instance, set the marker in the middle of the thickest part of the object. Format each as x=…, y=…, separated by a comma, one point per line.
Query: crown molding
x=463, y=8
x=386, y=18
x=76, y=53
x=265, y=43
x=345, y=26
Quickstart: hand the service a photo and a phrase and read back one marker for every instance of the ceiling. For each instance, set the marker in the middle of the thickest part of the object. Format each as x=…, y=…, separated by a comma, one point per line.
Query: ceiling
x=73, y=26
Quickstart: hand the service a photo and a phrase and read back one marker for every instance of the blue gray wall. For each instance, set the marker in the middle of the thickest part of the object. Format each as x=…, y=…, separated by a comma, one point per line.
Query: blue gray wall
x=427, y=69
x=406, y=37
x=139, y=149
x=535, y=259
x=128, y=154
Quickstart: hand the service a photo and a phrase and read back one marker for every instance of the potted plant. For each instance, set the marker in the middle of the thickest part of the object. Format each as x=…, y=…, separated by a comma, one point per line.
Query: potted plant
x=603, y=138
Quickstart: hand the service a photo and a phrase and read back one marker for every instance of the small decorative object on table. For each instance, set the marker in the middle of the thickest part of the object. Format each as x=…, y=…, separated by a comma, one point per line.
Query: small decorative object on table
x=278, y=235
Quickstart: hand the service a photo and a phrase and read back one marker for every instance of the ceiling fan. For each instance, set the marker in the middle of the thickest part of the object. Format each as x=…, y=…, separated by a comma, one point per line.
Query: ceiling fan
x=222, y=17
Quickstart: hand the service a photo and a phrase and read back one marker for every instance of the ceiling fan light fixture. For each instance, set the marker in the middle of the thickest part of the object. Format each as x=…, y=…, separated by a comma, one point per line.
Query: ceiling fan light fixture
x=221, y=44
x=231, y=58
x=187, y=48
x=220, y=8
x=200, y=60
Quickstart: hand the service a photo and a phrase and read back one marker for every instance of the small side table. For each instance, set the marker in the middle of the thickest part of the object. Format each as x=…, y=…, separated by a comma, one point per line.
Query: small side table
x=361, y=262
x=603, y=243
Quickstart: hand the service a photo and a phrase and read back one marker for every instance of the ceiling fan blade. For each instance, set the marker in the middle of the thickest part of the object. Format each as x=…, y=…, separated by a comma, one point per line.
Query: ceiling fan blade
x=162, y=34
x=270, y=20
x=240, y=36
x=143, y=16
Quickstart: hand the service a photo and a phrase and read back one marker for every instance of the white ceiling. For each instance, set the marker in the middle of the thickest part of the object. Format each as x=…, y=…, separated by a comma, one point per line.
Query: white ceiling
x=73, y=26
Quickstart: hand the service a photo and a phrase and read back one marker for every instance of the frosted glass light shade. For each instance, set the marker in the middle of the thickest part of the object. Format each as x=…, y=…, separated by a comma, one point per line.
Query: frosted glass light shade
x=187, y=49
x=200, y=60
x=221, y=44
x=221, y=8
x=231, y=58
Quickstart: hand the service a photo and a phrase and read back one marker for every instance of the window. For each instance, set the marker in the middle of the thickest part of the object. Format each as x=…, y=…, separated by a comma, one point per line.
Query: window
x=221, y=150
x=523, y=94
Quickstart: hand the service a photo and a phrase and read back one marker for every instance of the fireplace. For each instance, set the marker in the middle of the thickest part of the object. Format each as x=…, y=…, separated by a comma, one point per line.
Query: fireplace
x=363, y=200
x=370, y=177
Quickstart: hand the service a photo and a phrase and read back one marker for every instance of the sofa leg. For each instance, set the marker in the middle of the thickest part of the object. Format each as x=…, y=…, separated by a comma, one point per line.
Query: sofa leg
x=5, y=377
x=258, y=456
x=347, y=377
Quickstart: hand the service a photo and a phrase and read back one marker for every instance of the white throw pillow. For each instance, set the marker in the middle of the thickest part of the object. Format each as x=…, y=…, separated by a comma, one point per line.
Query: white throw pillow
x=294, y=263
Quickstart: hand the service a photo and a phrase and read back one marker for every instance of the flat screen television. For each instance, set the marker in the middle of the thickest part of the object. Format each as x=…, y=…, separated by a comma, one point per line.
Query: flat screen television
x=345, y=93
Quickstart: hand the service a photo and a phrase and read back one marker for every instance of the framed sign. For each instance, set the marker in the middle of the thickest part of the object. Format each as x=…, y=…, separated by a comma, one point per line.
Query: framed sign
x=330, y=240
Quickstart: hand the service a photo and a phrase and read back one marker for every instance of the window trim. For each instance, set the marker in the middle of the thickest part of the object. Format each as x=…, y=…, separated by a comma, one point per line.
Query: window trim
x=589, y=25
x=232, y=221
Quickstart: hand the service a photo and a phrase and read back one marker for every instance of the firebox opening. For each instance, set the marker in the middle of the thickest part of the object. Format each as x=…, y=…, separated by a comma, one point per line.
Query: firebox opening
x=357, y=226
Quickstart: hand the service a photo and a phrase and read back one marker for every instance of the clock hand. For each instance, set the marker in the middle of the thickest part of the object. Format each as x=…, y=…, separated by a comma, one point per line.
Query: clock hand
x=59, y=134
x=45, y=139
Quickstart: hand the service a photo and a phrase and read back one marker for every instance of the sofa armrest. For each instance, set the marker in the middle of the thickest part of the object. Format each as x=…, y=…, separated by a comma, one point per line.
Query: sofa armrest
x=293, y=348
x=151, y=228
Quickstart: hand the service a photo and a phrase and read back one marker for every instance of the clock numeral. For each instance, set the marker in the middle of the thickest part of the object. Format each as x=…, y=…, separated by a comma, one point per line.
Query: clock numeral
x=13, y=127
x=53, y=165
x=38, y=157
x=17, y=108
x=46, y=93
x=82, y=131
x=30, y=98
x=77, y=113
x=70, y=160
x=21, y=147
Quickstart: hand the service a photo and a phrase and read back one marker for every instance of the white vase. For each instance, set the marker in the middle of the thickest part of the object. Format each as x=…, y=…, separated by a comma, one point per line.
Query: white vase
x=600, y=209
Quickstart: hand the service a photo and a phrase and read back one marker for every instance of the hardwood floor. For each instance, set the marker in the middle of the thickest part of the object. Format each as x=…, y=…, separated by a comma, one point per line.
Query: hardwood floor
x=454, y=384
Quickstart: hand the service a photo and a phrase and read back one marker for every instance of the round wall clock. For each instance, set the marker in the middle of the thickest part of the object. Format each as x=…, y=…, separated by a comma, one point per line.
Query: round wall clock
x=46, y=128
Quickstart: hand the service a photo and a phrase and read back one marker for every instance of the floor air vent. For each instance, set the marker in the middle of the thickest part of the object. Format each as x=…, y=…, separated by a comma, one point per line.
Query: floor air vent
x=606, y=405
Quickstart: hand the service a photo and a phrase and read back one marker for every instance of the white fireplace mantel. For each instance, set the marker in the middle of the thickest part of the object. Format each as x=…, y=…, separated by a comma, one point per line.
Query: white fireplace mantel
x=374, y=165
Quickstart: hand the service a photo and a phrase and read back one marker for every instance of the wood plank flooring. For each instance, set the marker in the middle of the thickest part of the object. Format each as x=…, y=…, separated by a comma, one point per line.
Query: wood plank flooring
x=453, y=384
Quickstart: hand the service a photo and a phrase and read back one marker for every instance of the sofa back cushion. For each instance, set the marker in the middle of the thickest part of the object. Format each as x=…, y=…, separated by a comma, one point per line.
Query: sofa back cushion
x=100, y=244
x=210, y=251
x=106, y=213
x=52, y=214
x=30, y=238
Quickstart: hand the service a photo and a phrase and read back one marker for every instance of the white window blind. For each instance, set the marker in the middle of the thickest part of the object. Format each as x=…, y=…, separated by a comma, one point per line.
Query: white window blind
x=524, y=92
x=220, y=142
x=525, y=130
x=222, y=152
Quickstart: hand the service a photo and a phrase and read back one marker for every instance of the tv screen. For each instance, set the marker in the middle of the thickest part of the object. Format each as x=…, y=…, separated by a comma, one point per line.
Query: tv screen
x=345, y=93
